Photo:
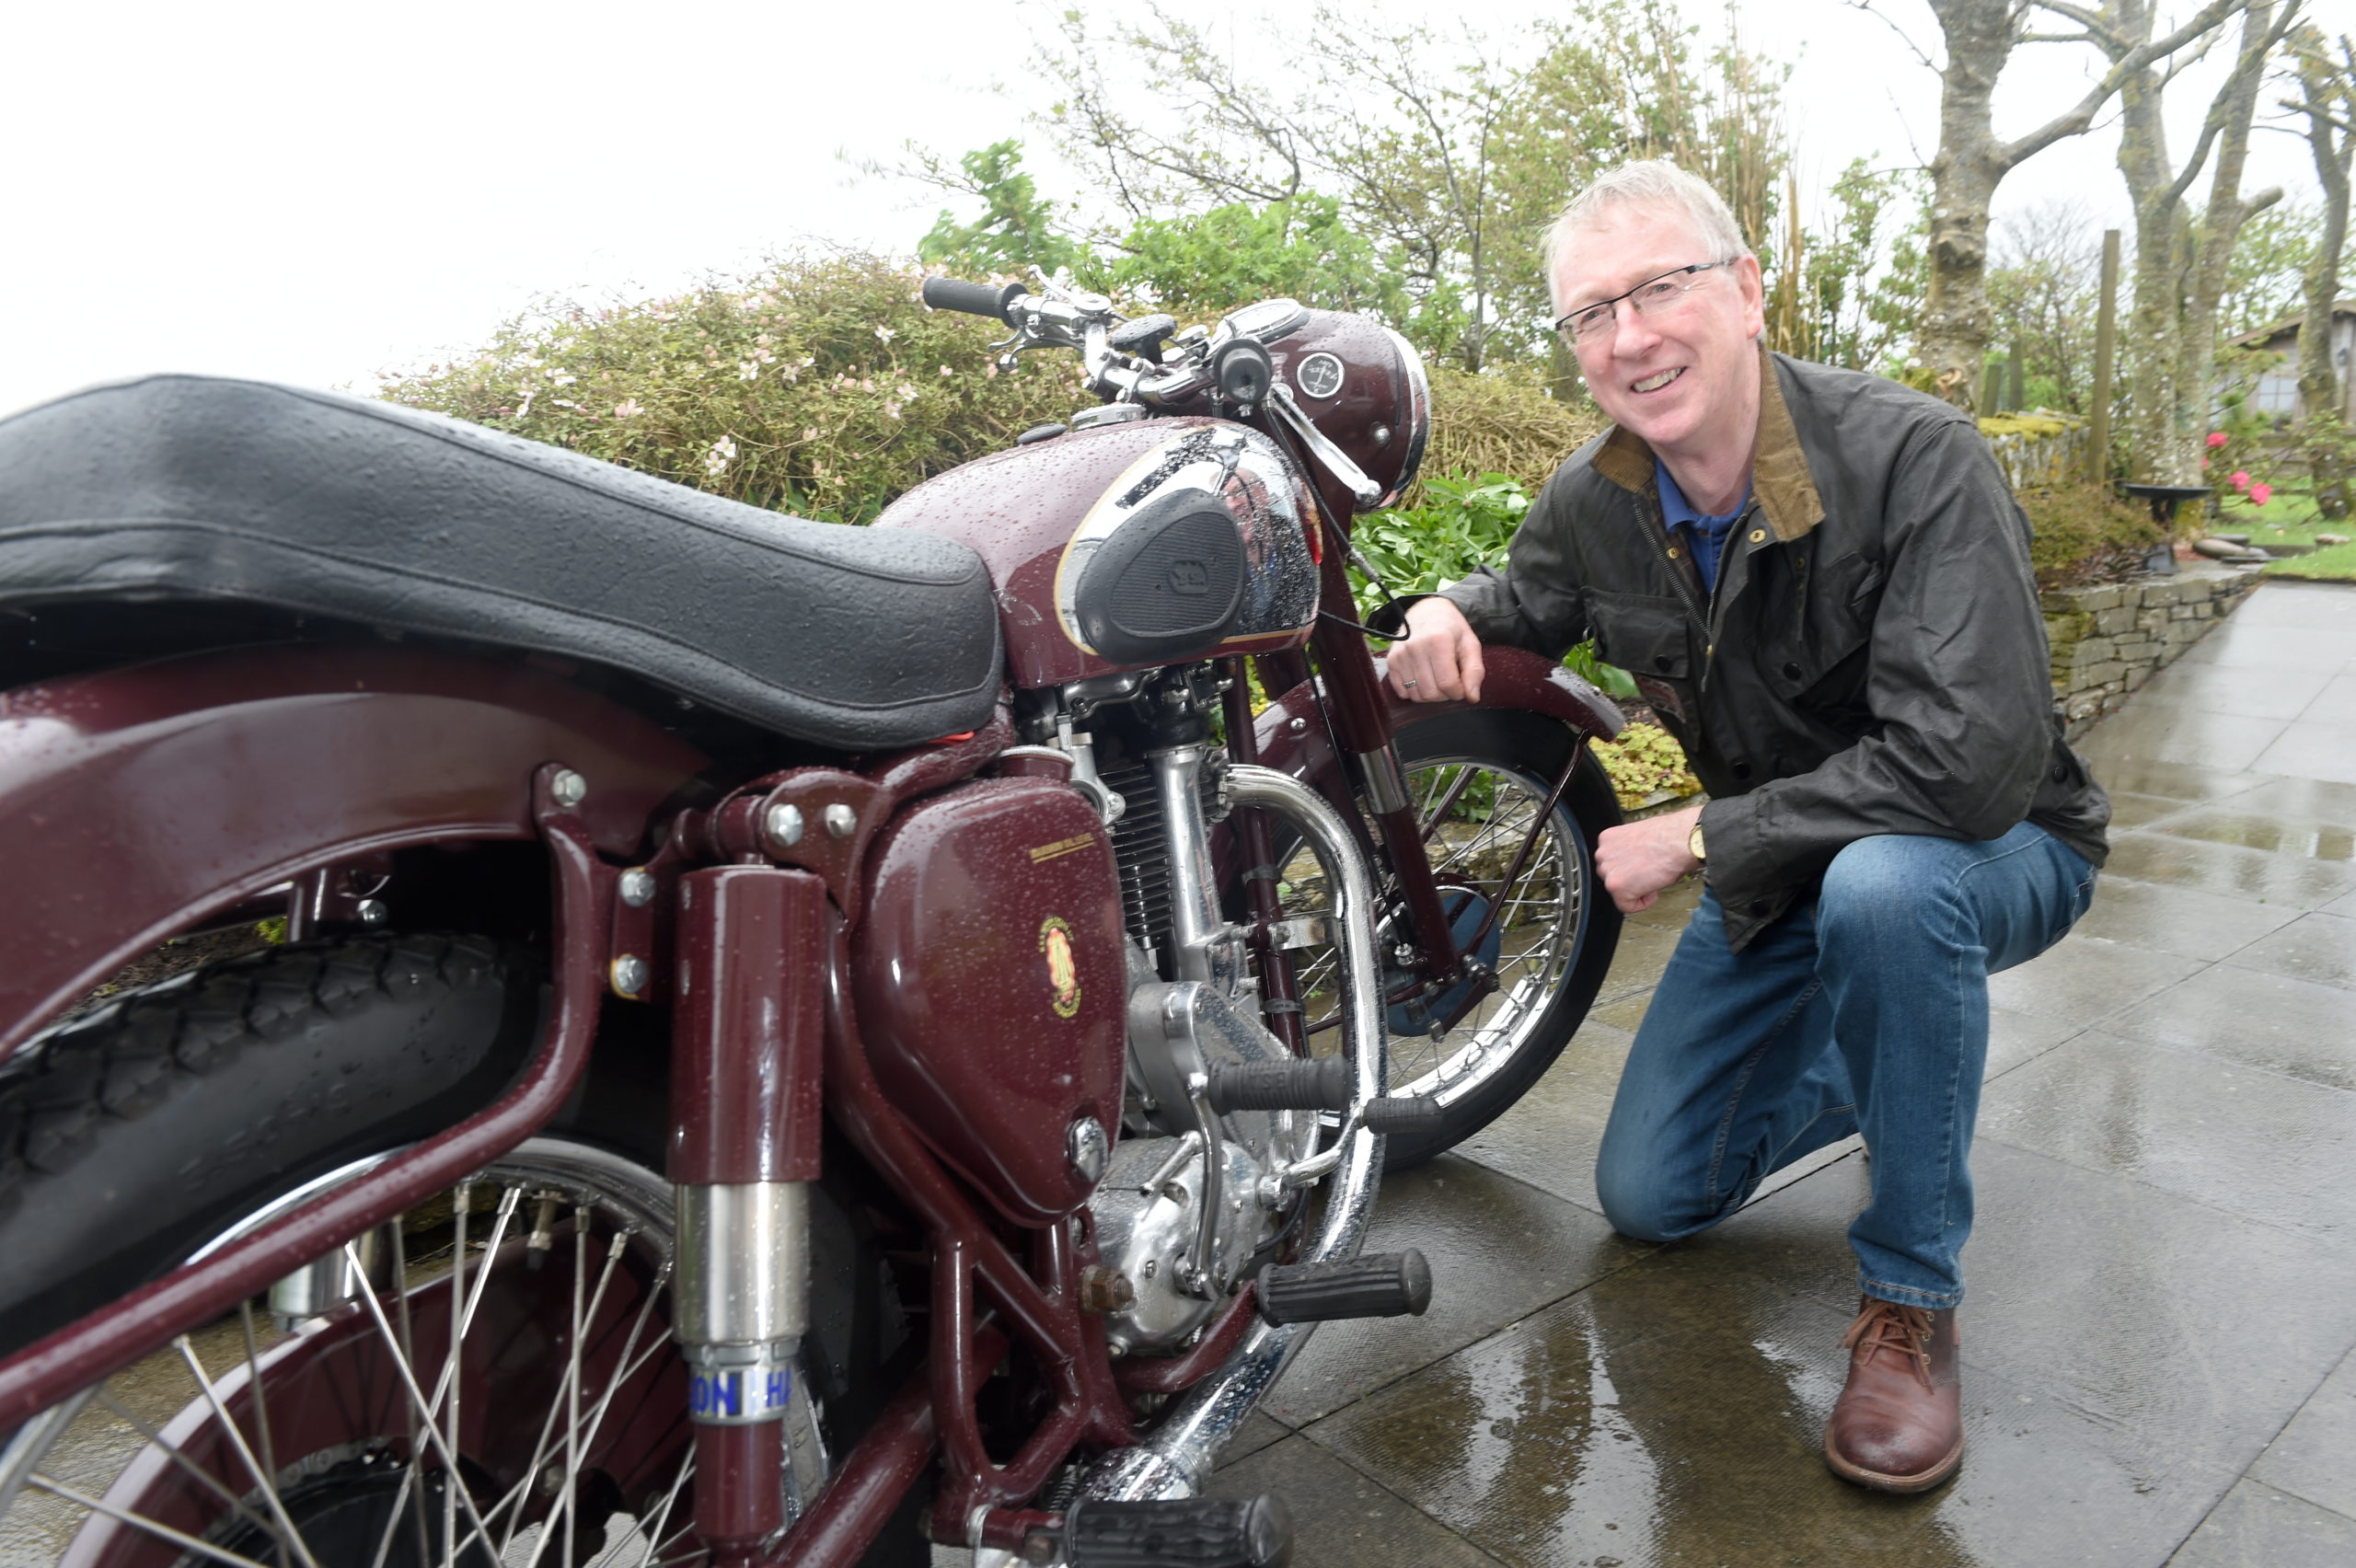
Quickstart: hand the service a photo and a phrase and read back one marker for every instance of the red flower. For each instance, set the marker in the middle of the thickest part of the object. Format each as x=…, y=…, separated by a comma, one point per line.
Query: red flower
x=2261, y=494
x=2217, y=438
x=2240, y=479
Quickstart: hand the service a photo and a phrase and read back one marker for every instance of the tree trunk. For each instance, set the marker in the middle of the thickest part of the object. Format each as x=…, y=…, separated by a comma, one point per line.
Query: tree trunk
x=2328, y=93
x=2160, y=247
x=2212, y=243
x=1964, y=175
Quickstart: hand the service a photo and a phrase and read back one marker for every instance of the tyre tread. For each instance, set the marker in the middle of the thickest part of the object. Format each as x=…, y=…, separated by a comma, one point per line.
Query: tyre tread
x=129, y=1059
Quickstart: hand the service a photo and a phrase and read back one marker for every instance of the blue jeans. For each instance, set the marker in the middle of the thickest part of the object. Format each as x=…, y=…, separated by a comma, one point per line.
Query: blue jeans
x=1864, y=1010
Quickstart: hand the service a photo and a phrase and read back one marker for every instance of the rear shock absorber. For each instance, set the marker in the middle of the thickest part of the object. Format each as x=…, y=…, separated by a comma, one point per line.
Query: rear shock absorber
x=746, y=1053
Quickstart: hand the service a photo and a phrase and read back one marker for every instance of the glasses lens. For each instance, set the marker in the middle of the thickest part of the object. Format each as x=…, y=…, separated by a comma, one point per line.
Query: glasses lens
x=1654, y=295
x=1587, y=323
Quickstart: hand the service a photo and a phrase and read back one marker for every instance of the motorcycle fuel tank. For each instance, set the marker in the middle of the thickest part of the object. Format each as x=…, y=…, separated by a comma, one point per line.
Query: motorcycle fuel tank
x=992, y=985
x=1157, y=541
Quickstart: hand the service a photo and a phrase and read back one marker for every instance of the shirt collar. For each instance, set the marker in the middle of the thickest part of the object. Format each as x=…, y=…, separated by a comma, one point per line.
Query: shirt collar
x=1676, y=511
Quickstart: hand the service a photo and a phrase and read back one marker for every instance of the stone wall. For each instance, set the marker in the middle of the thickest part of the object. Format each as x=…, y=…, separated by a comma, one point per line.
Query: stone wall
x=2038, y=449
x=2106, y=642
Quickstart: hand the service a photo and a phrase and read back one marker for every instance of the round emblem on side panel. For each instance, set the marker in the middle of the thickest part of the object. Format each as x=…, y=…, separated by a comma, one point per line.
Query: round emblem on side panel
x=1063, y=969
x=1319, y=375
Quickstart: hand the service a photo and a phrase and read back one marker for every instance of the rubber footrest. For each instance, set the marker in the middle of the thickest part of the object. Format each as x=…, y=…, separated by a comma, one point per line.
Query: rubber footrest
x=1315, y=1083
x=1200, y=1532
x=1404, y=1113
x=1383, y=1284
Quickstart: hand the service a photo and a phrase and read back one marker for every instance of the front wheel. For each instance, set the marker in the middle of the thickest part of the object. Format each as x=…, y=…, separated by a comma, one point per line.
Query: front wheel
x=1478, y=779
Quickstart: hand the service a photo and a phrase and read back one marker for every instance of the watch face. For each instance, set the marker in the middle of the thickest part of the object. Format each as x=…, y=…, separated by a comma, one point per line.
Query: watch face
x=1319, y=375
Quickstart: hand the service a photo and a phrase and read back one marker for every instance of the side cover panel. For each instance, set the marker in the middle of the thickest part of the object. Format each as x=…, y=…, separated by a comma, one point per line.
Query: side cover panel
x=134, y=801
x=992, y=984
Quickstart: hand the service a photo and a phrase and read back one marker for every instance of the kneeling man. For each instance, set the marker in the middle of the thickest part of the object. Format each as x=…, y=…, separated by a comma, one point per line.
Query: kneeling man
x=1820, y=582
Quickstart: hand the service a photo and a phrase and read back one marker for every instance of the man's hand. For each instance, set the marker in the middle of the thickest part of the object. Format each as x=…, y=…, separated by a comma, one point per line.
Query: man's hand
x=1441, y=659
x=1639, y=860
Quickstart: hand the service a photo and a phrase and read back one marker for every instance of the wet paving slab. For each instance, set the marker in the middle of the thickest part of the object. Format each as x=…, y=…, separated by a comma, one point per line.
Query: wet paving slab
x=2274, y=1149
x=1499, y=1250
x=1670, y=1416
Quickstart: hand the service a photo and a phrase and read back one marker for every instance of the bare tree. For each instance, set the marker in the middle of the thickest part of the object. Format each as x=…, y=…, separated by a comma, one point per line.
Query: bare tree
x=2327, y=101
x=1972, y=159
x=2044, y=275
x=1448, y=149
x=2180, y=264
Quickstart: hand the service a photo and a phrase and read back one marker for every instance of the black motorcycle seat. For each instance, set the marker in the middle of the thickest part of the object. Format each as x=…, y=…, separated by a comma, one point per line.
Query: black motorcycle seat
x=199, y=489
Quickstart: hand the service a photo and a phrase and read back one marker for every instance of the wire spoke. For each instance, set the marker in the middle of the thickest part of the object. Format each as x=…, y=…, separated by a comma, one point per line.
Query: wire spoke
x=141, y=1522
x=269, y=1483
x=416, y=1396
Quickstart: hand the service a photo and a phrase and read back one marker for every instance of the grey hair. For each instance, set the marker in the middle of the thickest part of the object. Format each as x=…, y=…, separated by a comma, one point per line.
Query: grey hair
x=1648, y=182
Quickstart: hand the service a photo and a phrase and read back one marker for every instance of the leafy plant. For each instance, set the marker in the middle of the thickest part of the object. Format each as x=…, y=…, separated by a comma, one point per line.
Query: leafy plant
x=1463, y=522
x=1646, y=765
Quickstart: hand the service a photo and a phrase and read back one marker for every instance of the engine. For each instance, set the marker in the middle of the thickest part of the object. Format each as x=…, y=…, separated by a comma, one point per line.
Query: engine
x=1190, y=1205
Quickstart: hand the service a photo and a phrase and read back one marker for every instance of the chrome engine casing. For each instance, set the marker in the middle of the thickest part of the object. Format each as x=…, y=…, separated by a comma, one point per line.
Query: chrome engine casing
x=1147, y=1233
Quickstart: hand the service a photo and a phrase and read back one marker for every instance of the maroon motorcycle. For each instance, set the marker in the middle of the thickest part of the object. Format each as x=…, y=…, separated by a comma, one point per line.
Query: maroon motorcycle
x=789, y=1042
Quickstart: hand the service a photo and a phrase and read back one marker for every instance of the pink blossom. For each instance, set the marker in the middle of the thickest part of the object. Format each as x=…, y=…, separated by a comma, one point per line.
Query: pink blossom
x=2261, y=493
x=2240, y=479
x=2217, y=438
x=2205, y=465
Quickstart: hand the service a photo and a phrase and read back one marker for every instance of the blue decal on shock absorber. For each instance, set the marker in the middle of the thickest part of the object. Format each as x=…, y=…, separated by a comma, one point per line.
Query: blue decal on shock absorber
x=736, y=1395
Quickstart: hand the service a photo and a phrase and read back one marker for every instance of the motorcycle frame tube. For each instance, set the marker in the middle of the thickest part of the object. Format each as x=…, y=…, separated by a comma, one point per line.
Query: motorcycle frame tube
x=970, y=1265
x=165, y=795
x=105, y=1340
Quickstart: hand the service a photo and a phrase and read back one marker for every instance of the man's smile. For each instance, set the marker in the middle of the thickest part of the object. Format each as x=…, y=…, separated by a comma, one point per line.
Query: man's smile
x=1655, y=383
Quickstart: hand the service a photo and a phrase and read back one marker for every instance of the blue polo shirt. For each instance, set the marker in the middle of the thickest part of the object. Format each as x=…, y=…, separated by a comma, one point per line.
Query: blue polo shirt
x=1705, y=538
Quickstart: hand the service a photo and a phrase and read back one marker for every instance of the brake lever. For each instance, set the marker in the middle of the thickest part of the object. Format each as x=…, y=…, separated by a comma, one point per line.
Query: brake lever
x=1336, y=462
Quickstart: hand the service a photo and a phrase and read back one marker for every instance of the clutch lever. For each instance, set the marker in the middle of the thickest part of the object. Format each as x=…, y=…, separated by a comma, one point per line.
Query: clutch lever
x=1336, y=462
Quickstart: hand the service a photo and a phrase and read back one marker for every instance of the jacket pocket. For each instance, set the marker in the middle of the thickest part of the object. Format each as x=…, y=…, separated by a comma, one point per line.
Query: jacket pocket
x=1642, y=633
x=1820, y=661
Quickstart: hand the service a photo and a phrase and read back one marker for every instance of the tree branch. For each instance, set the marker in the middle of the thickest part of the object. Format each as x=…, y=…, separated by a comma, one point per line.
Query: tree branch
x=2081, y=115
x=1869, y=9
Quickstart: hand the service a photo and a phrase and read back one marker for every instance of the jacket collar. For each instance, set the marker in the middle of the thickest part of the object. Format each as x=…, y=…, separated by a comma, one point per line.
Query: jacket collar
x=1779, y=476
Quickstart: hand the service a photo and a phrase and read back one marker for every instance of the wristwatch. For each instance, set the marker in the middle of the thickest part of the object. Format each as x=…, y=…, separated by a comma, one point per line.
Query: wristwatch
x=1693, y=842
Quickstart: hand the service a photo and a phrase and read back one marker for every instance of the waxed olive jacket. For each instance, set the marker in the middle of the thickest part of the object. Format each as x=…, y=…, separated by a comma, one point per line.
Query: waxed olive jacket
x=1872, y=659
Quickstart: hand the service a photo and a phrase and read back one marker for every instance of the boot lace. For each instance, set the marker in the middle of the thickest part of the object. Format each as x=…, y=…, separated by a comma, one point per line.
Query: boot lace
x=1890, y=1325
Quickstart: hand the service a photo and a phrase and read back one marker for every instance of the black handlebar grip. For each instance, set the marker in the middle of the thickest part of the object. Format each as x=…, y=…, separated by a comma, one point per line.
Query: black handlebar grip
x=1404, y=1113
x=974, y=299
x=1320, y=1083
x=1384, y=1284
x=1199, y=1532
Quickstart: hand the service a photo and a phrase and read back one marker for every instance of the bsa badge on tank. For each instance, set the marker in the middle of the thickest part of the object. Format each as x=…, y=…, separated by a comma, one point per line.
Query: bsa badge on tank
x=1063, y=971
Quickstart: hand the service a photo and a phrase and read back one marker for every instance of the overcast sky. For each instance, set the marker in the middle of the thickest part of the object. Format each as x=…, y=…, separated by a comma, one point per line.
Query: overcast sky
x=312, y=193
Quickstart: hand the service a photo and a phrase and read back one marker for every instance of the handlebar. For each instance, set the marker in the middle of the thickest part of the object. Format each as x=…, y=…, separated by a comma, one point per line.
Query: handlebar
x=974, y=299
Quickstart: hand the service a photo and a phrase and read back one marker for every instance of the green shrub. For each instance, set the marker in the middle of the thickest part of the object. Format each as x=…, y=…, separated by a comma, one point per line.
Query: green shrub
x=1646, y=762
x=2085, y=534
x=818, y=386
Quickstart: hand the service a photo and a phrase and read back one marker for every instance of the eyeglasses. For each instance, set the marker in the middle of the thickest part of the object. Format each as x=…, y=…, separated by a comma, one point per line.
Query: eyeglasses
x=1647, y=298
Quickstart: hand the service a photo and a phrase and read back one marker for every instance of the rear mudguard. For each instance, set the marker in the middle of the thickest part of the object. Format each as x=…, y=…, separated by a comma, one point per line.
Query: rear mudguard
x=135, y=802
x=1292, y=736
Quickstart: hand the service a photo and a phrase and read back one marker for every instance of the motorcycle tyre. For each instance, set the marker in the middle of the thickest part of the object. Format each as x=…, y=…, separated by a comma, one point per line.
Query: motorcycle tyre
x=99, y=1113
x=1535, y=748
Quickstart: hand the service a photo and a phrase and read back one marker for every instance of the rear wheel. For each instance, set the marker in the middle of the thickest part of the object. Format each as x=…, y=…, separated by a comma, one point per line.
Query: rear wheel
x=1478, y=780
x=492, y=1382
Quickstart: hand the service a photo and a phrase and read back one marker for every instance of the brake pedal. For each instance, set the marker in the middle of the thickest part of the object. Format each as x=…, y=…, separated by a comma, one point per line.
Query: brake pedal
x=1199, y=1532
x=1384, y=1284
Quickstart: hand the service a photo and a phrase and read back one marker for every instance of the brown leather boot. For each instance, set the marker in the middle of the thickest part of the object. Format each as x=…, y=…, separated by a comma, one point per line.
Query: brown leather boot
x=1899, y=1424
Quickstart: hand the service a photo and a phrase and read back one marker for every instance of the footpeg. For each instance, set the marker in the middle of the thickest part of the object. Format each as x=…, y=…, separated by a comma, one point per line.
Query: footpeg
x=1291, y=1083
x=1384, y=1284
x=1200, y=1532
x=1404, y=1113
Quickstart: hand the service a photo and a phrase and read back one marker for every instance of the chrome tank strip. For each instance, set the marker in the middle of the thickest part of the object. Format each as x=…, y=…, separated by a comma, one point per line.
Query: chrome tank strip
x=1178, y=1455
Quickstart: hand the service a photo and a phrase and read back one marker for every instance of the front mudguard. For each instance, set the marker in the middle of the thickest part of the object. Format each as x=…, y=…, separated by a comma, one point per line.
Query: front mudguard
x=1293, y=739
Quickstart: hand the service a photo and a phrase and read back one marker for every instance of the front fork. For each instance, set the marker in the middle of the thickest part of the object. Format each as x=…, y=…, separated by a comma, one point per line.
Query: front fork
x=746, y=1108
